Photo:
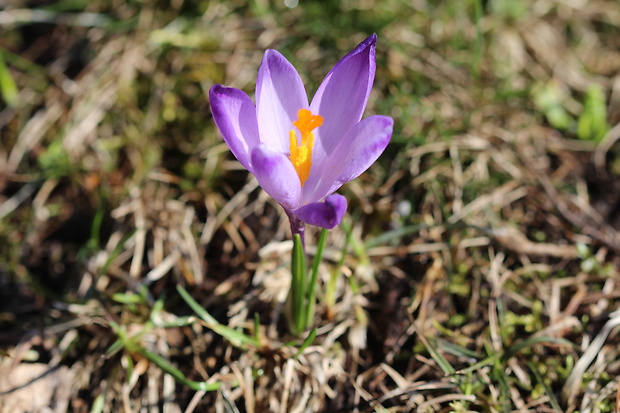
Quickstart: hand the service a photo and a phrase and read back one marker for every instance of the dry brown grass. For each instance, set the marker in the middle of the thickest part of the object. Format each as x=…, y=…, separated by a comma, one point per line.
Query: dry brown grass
x=477, y=269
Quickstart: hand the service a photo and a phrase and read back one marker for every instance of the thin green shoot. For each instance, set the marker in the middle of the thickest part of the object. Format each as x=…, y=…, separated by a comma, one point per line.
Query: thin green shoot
x=512, y=351
x=8, y=87
x=441, y=361
x=233, y=336
x=307, y=342
x=163, y=364
x=98, y=404
x=552, y=399
x=311, y=288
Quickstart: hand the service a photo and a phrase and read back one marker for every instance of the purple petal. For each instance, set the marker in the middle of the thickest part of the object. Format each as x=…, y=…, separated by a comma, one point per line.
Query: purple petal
x=326, y=214
x=277, y=176
x=359, y=149
x=235, y=116
x=280, y=94
x=343, y=94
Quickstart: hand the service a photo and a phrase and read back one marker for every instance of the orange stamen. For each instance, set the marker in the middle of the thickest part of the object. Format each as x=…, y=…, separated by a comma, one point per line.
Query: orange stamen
x=301, y=153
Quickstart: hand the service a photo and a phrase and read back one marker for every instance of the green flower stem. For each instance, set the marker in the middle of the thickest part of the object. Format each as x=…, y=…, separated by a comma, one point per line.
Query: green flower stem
x=311, y=289
x=298, y=286
x=302, y=296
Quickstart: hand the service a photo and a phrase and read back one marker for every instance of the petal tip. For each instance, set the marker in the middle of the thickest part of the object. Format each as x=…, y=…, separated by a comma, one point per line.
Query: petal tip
x=371, y=40
x=215, y=90
x=369, y=43
x=218, y=91
x=272, y=58
x=339, y=205
x=325, y=214
x=389, y=123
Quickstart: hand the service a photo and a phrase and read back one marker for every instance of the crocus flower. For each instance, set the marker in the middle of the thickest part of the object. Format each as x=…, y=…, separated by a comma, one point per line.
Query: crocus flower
x=302, y=153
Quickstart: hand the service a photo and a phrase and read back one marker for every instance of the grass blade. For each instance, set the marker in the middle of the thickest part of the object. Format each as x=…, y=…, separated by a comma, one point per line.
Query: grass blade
x=441, y=361
x=311, y=288
x=163, y=364
x=552, y=400
x=8, y=88
x=307, y=342
x=512, y=351
x=232, y=335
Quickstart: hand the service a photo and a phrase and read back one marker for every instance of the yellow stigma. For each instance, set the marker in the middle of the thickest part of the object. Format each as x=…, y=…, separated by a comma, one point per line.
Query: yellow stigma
x=301, y=153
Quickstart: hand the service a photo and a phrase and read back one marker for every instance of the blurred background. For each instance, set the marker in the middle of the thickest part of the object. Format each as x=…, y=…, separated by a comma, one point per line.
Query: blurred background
x=477, y=266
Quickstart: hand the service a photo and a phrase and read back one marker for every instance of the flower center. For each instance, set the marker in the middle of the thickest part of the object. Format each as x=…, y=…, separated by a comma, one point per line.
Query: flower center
x=301, y=152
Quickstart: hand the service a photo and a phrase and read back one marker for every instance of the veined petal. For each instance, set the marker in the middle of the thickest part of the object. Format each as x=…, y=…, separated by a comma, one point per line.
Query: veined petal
x=326, y=214
x=359, y=149
x=280, y=94
x=235, y=116
x=343, y=94
x=277, y=176
x=373, y=136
